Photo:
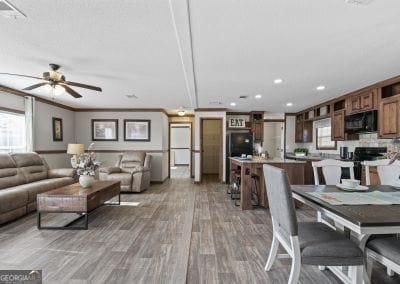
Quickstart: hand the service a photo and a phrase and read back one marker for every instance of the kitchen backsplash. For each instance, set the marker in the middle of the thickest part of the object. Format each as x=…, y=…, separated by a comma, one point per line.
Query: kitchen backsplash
x=365, y=140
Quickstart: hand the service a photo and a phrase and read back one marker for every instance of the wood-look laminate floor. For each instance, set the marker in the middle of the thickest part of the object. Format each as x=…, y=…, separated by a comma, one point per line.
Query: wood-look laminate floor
x=178, y=233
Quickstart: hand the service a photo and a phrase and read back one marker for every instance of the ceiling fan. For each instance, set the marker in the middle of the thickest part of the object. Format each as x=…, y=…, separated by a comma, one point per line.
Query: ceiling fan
x=57, y=81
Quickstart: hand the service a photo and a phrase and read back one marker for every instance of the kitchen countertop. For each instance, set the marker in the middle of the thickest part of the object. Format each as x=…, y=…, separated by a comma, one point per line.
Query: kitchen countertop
x=266, y=161
x=313, y=157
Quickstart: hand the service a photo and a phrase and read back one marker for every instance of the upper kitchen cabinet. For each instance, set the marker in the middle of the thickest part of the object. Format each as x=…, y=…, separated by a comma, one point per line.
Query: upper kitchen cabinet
x=304, y=127
x=337, y=125
x=257, y=126
x=360, y=102
x=299, y=128
x=389, y=111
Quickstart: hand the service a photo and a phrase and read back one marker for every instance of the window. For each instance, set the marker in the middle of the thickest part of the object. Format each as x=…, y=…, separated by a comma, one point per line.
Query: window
x=324, y=141
x=12, y=132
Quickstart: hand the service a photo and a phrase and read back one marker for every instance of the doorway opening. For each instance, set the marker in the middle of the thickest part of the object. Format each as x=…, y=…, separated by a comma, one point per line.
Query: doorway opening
x=180, y=160
x=274, y=138
x=211, y=143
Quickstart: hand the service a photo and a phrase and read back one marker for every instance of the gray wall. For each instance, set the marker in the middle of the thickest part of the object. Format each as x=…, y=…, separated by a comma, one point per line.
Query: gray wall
x=157, y=147
x=77, y=129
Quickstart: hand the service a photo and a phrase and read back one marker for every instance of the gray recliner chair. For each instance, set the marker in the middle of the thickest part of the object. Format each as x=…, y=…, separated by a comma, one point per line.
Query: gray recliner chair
x=132, y=169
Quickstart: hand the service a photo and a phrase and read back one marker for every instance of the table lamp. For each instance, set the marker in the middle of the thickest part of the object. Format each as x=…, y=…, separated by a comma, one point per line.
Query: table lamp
x=75, y=150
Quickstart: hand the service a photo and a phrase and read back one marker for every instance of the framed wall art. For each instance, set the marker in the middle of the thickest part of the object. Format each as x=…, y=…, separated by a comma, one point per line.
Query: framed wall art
x=137, y=130
x=104, y=129
x=57, y=129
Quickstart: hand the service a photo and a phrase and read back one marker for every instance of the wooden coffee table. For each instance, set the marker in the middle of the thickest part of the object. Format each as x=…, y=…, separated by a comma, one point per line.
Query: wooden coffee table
x=75, y=199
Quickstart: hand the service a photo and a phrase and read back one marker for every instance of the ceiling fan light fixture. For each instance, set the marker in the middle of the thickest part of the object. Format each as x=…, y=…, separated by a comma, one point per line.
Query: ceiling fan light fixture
x=58, y=90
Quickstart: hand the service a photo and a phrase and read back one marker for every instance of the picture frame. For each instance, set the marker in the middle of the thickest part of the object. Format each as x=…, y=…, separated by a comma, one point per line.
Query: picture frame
x=137, y=130
x=57, y=129
x=104, y=129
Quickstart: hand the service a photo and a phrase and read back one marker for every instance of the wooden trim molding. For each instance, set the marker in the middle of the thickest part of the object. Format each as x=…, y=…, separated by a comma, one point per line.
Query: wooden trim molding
x=186, y=115
x=51, y=151
x=126, y=150
x=274, y=120
x=121, y=110
x=237, y=113
x=11, y=110
x=210, y=109
x=99, y=151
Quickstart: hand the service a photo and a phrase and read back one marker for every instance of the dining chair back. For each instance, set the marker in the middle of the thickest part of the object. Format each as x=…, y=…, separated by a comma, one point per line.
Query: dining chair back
x=311, y=243
x=388, y=174
x=331, y=170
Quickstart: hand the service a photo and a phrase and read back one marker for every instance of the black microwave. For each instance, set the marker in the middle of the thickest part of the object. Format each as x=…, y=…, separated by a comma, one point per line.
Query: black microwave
x=361, y=122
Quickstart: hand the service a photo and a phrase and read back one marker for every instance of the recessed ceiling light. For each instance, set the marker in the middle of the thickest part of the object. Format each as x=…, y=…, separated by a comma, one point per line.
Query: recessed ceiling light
x=258, y=96
x=289, y=104
x=321, y=88
x=278, y=81
x=233, y=104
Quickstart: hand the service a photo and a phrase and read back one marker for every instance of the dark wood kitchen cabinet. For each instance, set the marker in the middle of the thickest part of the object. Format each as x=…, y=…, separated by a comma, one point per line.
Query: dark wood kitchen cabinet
x=257, y=126
x=304, y=129
x=337, y=126
x=299, y=132
x=389, y=120
x=361, y=102
x=307, y=132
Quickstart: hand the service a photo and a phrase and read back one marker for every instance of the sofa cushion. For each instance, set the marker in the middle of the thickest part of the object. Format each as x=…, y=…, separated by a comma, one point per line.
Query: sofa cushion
x=36, y=187
x=31, y=165
x=10, y=175
x=12, y=198
x=124, y=178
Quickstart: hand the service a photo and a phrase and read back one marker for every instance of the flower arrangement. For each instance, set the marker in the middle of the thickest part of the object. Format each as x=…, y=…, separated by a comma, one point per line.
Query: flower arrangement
x=393, y=152
x=87, y=163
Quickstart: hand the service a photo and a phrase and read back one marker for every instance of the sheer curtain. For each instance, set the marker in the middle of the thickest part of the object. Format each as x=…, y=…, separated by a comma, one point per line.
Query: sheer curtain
x=30, y=123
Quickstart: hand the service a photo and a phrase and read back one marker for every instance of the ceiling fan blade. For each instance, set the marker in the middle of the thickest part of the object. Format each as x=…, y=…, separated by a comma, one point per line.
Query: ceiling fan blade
x=20, y=75
x=35, y=86
x=71, y=92
x=94, y=88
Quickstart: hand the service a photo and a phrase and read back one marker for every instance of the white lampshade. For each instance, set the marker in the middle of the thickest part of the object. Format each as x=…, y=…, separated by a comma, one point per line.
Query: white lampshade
x=75, y=149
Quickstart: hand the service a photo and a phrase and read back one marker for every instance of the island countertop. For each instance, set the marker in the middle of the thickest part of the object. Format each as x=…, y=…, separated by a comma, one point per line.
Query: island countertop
x=260, y=160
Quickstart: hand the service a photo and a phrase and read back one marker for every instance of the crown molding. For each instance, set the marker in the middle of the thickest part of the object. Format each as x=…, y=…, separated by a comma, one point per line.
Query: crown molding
x=210, y=109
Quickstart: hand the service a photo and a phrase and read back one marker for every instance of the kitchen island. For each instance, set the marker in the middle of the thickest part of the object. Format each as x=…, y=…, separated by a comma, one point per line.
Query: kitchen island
x=249, y=168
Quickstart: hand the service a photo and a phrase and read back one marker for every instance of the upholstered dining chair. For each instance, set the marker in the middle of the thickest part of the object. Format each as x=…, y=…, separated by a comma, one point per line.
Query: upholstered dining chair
x=385, y=250
x=310, y=243
x=387, y=173
x=331, y=170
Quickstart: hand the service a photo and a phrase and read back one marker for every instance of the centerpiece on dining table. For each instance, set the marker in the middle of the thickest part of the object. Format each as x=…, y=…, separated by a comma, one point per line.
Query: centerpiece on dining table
x=86, y=167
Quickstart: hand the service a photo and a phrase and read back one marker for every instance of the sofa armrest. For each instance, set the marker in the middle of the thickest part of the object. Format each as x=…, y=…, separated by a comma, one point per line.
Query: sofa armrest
x=57, y=173
x=147, y=162
x=110, y=170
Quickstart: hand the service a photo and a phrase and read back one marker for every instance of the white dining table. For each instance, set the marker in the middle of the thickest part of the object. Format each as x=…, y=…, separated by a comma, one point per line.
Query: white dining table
x=359, y=222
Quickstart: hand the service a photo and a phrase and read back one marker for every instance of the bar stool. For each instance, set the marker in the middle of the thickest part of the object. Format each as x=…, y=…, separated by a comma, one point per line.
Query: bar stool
x=235, y=186
x=254, y=189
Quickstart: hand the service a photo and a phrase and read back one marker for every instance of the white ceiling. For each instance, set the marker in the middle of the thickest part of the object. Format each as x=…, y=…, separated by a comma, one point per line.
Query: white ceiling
x=239, y=48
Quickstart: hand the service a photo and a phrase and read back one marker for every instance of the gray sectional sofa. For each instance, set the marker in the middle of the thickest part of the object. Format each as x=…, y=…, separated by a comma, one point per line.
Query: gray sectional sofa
x=22, y=177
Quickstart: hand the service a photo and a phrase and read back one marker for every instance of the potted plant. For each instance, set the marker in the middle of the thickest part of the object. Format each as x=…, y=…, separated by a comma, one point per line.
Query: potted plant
x=86, y=168
x=300, y=152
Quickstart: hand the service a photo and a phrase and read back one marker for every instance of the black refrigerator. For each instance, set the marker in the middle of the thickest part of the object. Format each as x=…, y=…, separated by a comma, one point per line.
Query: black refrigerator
x=237, y=143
